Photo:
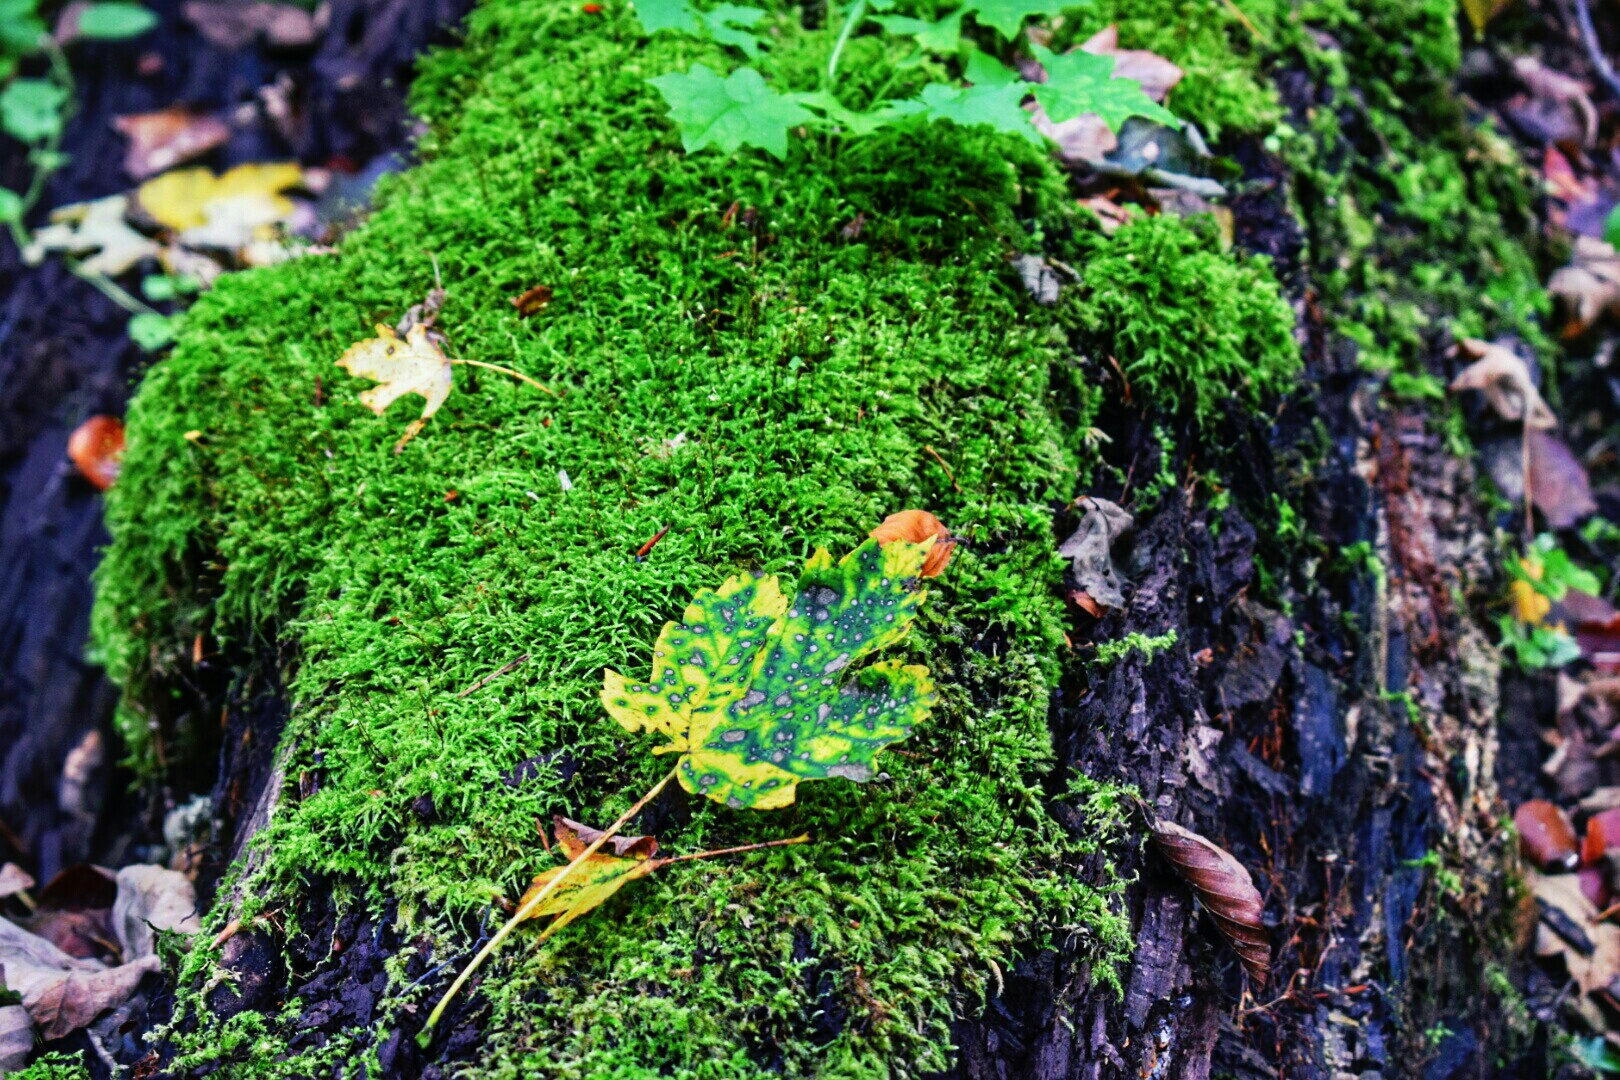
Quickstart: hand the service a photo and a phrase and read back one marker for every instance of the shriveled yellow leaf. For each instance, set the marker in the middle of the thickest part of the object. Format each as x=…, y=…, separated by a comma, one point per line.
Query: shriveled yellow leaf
x=593, y=882
x=413, y=366
x=1529, y=606
x=192, y=198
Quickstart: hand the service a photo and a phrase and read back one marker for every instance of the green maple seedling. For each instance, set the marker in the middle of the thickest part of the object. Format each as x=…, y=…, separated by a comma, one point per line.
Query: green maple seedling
x=753, y=690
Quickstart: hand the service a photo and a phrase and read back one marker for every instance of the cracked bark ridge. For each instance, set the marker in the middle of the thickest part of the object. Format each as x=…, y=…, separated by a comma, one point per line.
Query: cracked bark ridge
x=1226, y=890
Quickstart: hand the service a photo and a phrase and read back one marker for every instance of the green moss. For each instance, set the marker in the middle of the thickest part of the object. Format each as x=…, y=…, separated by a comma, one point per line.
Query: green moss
x=759, y=390
x=1109, y=652
x=53, y=1066
x=1191, y=326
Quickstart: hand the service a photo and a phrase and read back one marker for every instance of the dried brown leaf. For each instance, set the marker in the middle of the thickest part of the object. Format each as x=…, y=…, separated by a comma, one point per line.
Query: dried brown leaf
x=1593, y=962
x=62, y=1002
x=532, y=300
x=1558, y=482
x=1090, y=550
x=14, y=879
x=1226, y=890
x=1589, y=287
x=1157, y=75
x=1504, y=379
x=166, y=138
x=230, y=26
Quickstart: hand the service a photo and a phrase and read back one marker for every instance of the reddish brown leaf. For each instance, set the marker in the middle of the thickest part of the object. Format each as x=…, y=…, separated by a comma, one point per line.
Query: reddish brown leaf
x=1558, y=482
x=1226, y=890
x=532, y=301
x=915, y=526
x=1594, y=843
x=1545, y=835
x=166, y=138
x=97, y=448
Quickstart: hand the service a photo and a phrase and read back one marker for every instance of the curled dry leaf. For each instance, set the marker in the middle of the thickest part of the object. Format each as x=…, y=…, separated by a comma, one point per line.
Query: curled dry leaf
x=1589, y=287
x=1546, y=837
x=914, y=527
x=1226, y=890
x=1504, y=379
x=1090, y=551
x=96, y=448
x=13, y=880
x=532, y=300
x=166, y=138
x=415, y=365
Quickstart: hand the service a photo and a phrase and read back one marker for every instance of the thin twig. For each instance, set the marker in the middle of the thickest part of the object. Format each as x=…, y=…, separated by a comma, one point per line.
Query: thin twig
x=226, y=934
x=1244, y=19
x=492, y=676
x=507, y=371
x=532, y=905
x=804, y=839
x=954, y=485
x=1594, y=52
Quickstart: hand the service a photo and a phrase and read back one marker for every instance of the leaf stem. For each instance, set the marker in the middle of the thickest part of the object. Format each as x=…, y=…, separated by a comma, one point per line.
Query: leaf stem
x=856, y=13
x=533, y=904
x=804, y=839
x=506, y=371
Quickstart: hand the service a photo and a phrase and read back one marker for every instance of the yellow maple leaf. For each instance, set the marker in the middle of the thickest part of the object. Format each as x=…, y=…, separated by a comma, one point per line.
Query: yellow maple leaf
x=191, y=198
x=413, y=366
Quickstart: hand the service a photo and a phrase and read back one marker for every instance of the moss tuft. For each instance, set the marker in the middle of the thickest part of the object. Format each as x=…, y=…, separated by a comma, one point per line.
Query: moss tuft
x=1190, y=326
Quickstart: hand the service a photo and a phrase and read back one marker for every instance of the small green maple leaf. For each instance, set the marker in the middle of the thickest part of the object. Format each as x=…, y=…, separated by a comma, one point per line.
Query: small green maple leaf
x=1006, y=17
x=748, y=691
x=941, y=37
x=727, y=24
x=659, y=15
x=1078, y=83
x=729, y=113
x=997, y=106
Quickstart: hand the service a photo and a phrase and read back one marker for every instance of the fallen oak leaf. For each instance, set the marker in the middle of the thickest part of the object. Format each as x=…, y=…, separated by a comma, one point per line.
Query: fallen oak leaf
x=1226, y=890
x=415, y=365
